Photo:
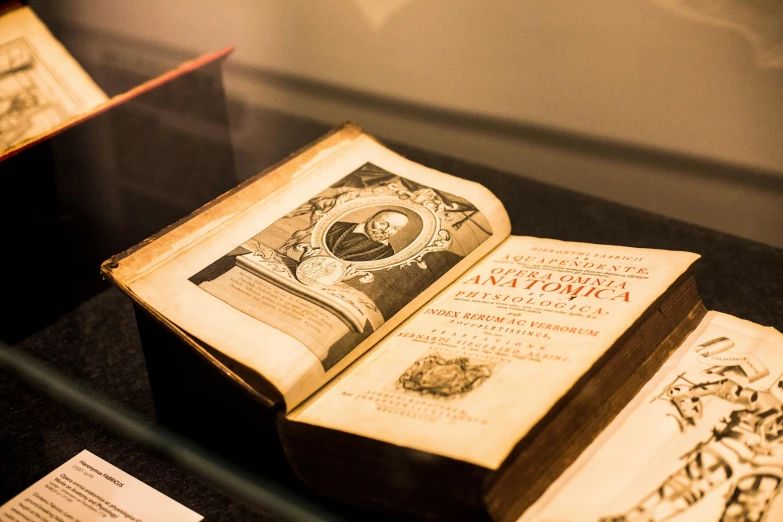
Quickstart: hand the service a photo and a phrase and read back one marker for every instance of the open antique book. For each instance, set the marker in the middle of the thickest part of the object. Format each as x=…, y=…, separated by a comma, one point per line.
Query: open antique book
x=41, y=85
x=444, y=367
x=702, y=441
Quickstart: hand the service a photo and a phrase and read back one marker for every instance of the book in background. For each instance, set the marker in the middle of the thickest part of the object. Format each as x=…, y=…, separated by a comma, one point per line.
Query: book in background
x=41, y=85
x=89, y=173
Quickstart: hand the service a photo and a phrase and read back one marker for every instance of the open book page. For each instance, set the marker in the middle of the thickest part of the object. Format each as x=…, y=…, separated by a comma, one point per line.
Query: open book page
x=298, y=284
x=41, y=85
x=470, y=374
x=702, y=441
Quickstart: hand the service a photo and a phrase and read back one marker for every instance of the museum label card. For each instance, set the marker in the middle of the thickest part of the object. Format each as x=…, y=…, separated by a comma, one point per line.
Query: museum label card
x=87, y=488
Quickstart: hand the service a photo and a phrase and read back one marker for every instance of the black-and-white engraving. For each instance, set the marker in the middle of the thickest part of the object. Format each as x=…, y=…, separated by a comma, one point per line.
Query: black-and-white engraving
x=745, y=449
x=335, y=268
x=440, y=377
x=30, y=95
x=368, y=240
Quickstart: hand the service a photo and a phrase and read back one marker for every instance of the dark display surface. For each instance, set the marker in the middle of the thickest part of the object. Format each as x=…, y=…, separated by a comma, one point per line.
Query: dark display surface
x=96, y=344
x=38, y=434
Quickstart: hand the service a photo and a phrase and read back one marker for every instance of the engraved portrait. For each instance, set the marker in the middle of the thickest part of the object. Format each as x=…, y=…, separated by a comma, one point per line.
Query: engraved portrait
x=358, y=238
x=335, y=268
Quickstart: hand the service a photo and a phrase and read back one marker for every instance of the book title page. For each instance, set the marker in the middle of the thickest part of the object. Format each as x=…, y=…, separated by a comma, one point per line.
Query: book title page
x=479, y=365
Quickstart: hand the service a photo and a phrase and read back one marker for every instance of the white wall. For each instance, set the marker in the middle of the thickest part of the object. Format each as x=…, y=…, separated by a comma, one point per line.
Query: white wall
x=700, y=78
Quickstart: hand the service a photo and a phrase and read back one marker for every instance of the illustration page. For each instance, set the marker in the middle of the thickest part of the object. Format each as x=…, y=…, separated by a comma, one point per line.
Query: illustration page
x=702, y=441
x=299, y=284
x=41, y=85
x=472, y=372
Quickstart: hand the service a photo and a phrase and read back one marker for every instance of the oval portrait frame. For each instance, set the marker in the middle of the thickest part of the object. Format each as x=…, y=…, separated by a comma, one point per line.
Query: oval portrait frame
x=431, y=230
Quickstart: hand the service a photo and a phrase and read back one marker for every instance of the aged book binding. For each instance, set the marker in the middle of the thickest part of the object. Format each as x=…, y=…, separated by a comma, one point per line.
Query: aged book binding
x=447, y=369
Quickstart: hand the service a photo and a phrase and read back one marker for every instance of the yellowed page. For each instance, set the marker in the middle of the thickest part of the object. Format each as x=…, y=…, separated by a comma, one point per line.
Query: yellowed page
x=701, y=442
x=484, y=361
x=300, y=283
x=41, y=85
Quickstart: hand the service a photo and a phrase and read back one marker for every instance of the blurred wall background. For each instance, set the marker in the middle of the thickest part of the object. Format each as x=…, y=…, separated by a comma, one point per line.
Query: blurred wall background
x=673, y=106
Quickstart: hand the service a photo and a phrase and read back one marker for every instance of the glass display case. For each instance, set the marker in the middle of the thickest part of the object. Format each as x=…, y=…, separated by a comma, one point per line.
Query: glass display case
x=643, y=168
